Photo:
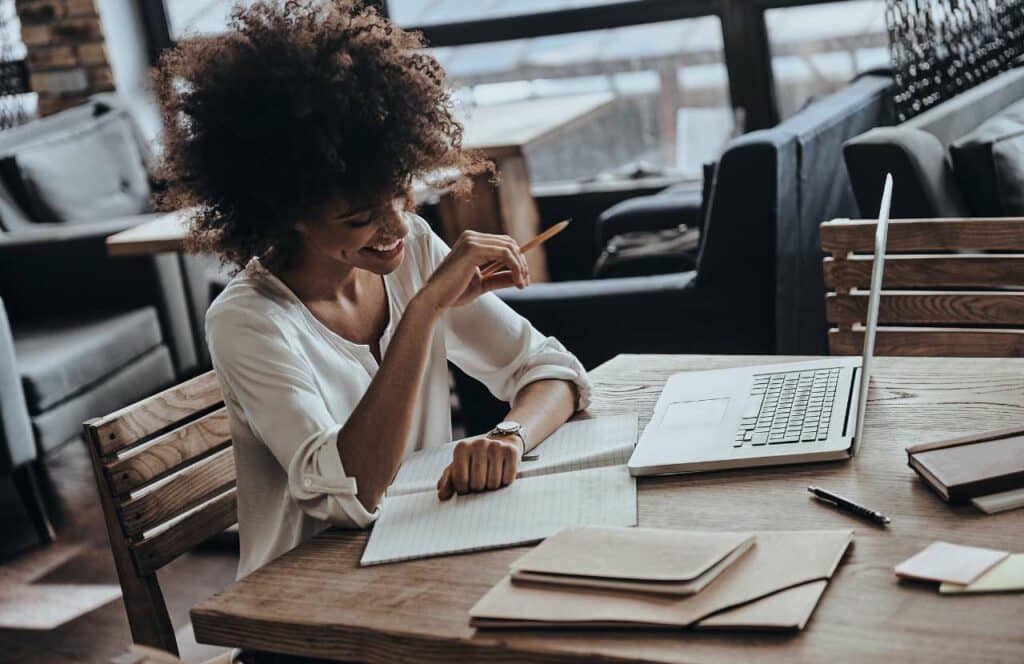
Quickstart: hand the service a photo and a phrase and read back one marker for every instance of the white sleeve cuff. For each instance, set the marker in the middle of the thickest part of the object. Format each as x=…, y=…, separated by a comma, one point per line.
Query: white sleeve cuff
x=553, y=362
x=317, y=481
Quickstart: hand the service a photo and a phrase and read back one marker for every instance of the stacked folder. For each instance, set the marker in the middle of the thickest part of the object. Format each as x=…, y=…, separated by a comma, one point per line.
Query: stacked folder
x=641, y=577
x=959, y=569
x=986, y=469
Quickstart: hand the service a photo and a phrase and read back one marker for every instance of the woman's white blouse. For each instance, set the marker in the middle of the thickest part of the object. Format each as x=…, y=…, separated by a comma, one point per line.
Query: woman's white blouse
x=290, y=383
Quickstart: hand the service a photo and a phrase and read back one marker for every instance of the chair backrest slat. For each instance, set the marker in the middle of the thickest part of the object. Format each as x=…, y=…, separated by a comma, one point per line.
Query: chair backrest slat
x=184, y=491
x=932, y=342
x=929, y=307
x=915, y=235
x=158, y=413
x=971, y=283
x=170, y=451
x=926, y=271
x=215, y=516
x=165, y=470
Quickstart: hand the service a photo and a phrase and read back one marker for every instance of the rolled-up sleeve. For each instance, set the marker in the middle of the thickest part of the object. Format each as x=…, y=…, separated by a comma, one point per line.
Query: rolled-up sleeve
x=273, y=386
x=501, y=349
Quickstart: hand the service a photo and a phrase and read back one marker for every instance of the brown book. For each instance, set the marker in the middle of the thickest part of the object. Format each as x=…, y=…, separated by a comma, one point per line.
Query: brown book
x=971, y=466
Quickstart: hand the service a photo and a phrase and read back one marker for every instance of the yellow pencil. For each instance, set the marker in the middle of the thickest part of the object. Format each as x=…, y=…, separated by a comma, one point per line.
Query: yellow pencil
x=494, y=268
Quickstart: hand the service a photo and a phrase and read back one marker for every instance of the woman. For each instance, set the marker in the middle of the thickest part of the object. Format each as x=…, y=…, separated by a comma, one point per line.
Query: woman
x=295, y=136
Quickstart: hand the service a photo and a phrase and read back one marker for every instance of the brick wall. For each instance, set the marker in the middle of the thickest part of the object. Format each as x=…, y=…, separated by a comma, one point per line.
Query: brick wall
x=67, y=59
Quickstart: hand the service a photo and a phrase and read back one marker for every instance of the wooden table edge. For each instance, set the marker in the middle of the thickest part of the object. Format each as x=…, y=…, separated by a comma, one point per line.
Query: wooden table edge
x=120, y=248
x=381, y=645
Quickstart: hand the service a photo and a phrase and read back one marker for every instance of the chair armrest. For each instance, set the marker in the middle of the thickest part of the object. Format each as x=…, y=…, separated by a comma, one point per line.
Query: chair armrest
x=666, y=209
x=53, y=233
x=17, y=445
x=53, y=271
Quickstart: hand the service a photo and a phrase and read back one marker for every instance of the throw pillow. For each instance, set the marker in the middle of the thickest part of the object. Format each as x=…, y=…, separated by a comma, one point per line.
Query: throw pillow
x=989, y=164
x=90, y=173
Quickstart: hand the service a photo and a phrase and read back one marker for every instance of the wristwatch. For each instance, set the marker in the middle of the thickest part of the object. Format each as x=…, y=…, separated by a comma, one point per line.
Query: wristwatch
x=509, y=428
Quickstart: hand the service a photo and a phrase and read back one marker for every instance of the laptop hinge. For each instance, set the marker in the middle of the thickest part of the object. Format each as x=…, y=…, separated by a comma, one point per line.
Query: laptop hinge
x=849, y=402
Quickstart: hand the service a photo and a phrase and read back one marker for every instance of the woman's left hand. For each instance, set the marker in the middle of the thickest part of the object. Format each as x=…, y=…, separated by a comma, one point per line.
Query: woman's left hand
x=480, y=464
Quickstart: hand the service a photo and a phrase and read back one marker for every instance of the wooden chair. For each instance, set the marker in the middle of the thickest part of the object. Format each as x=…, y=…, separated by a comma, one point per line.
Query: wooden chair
x=166, y=476
x=952, y=287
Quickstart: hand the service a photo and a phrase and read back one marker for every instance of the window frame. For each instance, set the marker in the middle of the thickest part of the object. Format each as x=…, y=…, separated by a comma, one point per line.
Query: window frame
x=746, y=49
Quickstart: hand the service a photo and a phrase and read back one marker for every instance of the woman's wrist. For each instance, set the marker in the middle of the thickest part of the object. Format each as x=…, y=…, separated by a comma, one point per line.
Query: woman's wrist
x=425, y=306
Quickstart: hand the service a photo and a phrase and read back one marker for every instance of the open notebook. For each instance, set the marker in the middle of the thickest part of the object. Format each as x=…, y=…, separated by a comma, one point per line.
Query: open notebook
x=579, y=478
x=602, y=441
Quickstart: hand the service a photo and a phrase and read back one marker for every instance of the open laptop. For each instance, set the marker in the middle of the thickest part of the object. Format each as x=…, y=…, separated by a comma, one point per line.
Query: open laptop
x=792, y=412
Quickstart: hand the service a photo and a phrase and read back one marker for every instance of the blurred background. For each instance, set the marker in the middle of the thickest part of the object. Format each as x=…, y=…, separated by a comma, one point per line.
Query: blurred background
x=697, y=145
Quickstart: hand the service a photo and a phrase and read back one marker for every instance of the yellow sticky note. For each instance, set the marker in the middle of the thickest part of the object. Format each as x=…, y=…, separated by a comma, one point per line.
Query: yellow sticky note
x=1007, y=576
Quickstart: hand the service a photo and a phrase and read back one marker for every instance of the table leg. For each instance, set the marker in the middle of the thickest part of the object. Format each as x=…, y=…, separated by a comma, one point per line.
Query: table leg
x=506, y=208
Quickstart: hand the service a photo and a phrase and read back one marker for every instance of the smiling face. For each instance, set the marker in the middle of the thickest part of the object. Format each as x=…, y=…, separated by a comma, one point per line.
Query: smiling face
x=371, y=237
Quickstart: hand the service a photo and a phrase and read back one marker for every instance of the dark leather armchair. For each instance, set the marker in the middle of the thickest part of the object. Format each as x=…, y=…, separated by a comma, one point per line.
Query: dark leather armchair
x=758, y=283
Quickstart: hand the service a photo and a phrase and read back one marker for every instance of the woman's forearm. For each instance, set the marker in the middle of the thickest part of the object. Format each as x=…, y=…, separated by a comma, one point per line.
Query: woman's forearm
x=372, y=442
x=543, y=406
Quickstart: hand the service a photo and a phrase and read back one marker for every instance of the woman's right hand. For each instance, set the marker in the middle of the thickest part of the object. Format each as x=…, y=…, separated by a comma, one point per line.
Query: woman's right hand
x=458, y=281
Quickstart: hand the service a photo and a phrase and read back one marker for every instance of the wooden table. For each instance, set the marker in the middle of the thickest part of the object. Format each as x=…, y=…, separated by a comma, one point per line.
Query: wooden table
x=160, y=233
x=316, y=601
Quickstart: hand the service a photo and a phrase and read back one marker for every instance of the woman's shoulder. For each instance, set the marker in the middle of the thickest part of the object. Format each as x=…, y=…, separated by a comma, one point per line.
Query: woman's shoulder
x=247, y=302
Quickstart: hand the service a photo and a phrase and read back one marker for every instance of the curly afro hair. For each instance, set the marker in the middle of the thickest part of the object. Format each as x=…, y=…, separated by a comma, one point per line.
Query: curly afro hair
x=296, y=103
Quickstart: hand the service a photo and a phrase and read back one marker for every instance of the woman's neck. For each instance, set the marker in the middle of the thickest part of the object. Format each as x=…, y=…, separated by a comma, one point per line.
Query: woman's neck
x=323, y=280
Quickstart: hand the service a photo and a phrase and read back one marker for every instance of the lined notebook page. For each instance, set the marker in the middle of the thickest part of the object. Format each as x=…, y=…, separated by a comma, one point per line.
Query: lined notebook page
x=602, y=441
x=418, y=525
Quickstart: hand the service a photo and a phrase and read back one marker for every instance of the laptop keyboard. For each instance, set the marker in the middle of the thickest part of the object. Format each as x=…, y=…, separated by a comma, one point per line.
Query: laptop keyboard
x=788, y=407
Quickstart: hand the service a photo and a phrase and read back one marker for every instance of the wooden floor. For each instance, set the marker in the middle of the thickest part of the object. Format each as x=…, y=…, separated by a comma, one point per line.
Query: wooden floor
x=101, y=635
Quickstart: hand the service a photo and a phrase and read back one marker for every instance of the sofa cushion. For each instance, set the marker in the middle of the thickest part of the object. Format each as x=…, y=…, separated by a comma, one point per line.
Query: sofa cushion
x=63, y=357
x=12, y=215
x=91, y=172
x=141, y=378
x=923, y=182
x=989, y=165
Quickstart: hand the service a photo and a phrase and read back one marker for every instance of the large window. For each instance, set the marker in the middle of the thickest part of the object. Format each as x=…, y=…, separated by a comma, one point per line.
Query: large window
x=817, y=49
x=430, y=12
x=668, y=86
x=198, y=16
x=665, y=83
x=15, y=105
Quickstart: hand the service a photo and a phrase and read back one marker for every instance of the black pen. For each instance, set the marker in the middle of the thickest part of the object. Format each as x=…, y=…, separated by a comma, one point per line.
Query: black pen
x=848, y=505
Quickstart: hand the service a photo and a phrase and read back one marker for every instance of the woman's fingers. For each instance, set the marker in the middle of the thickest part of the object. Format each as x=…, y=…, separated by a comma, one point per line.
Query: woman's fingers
x=509, y=469
x=478, y=465
x=500, y=249
x=495, y=463
x=496, y=281
x=460, y=468
x=445, y=489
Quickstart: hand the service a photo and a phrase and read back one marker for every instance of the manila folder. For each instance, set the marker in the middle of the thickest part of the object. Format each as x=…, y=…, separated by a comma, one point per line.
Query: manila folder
x=779, y=562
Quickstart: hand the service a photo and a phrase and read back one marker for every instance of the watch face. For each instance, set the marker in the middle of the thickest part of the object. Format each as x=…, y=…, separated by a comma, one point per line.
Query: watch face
x=508, y=427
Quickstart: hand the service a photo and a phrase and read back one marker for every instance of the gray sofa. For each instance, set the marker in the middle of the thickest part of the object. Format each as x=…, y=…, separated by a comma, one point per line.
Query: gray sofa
x=81, y=333
x=921, y=155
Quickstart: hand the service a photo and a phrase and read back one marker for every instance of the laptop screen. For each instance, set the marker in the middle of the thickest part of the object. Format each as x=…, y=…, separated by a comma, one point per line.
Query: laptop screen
x=878, y=266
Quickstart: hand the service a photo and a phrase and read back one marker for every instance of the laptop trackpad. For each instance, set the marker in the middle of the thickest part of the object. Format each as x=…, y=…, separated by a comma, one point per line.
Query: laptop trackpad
x=689, y=415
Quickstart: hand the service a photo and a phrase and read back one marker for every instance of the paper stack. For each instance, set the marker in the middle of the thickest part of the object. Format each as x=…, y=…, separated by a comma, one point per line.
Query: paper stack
x=639, y=577
x=670, y=562
x=965, y=569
